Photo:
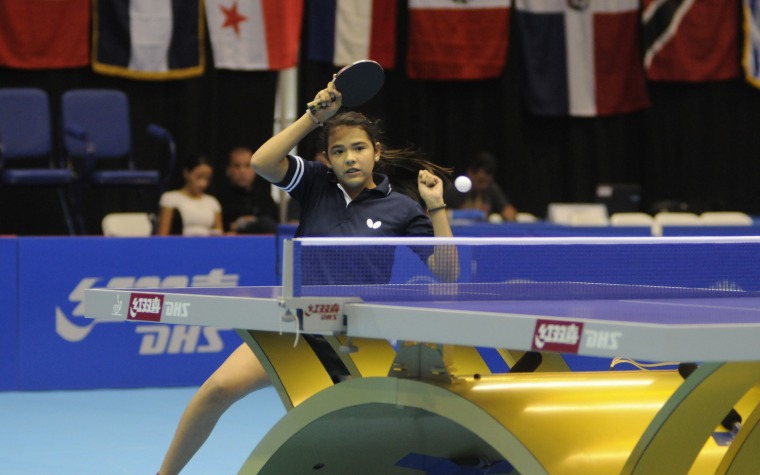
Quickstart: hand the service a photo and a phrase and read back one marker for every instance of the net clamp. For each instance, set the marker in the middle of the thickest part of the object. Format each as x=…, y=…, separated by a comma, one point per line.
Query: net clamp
x=318, y=315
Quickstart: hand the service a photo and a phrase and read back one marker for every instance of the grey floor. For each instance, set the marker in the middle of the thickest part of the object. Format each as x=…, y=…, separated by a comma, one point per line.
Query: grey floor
x=114, y=432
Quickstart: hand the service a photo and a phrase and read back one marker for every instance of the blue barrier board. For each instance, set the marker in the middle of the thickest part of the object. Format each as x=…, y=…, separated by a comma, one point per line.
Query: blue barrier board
x=60, y=349
x=8, y=314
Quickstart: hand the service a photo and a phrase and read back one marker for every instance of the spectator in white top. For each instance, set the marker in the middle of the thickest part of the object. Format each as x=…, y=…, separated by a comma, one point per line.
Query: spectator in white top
x=200, y=214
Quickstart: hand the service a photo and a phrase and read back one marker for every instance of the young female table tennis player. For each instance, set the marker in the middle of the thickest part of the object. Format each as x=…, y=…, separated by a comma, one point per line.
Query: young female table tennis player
x=335, y=201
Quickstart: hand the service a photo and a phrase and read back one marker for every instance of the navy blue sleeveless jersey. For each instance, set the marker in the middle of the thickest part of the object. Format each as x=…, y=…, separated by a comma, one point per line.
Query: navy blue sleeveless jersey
x=325, y=212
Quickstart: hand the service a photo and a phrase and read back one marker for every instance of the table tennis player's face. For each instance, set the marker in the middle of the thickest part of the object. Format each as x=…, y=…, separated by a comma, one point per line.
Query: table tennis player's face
x=352, y=157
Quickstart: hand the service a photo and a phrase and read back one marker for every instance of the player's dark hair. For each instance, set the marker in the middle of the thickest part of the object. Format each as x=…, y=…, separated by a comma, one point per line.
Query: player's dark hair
x=402, y=166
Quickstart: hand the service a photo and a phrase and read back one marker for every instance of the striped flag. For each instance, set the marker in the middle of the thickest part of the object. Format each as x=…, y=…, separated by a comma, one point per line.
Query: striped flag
x=254, y=34
x=457, y=40
x=690, y=40
x=148, y=39
x=44, y=34
x=581, y=56
x=344, y=31
x=751, y=51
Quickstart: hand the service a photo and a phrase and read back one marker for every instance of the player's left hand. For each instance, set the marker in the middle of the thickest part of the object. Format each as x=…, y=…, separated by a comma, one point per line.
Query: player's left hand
x=431, y=189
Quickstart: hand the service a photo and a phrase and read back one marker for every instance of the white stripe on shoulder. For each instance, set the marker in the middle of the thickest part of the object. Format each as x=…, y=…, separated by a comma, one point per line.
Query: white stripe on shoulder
x=296, y=176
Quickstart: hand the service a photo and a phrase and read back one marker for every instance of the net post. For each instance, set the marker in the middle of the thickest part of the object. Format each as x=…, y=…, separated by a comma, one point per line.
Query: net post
x=287, y=268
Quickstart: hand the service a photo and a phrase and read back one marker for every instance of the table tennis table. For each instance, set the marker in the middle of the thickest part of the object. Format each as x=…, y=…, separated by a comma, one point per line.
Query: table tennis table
x=388, y=378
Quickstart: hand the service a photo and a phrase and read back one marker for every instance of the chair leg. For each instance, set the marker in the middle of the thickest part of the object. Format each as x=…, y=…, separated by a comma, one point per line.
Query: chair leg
x=77, y=193
x=66, y=212
x=150, y=206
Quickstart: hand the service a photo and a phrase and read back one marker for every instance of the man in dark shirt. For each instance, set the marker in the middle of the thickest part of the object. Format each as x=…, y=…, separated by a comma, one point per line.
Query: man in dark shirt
x=247, y=204
x=485, y=194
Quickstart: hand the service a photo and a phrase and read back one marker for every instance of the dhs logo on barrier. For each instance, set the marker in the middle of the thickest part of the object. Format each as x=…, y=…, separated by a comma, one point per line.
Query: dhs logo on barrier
x=145, y=307
x=556, y=335
x=154, y=339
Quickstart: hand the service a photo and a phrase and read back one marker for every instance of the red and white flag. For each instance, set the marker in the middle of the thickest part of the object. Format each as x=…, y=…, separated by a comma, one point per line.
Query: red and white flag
x=254, y=34
x=44, y=34
x=452, y=40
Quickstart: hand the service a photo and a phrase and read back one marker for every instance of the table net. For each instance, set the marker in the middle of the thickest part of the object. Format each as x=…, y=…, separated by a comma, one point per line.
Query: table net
x=525, y=269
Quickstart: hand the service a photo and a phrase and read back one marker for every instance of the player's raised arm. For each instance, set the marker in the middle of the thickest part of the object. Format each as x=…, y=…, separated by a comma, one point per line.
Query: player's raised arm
x=444, y=262
x=269, y=160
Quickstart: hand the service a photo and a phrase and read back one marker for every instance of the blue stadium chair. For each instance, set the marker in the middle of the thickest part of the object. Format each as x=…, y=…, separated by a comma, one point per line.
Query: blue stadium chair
x=27, y=155
x=96, y=125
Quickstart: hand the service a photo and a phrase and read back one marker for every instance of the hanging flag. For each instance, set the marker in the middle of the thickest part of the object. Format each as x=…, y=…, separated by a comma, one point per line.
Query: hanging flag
x=581, y=57
x=44, y=34
x=690, y=40
x=344, y=31
x=254, y=34
x=457, y=40
x=751, y=52
x=148, y=39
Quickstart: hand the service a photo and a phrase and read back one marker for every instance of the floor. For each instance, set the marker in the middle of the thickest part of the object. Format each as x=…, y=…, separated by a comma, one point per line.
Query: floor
x=115, y=432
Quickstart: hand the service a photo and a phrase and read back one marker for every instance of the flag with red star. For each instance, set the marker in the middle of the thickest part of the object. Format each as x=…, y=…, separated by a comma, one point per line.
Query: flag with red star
x=254, y=34
x=147, y=39
x=40, y=34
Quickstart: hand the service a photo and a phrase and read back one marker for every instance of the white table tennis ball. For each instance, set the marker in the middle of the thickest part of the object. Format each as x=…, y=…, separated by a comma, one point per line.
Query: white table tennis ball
x=463, y=184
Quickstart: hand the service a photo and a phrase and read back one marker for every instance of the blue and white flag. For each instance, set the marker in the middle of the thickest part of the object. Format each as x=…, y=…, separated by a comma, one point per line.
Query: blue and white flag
x=148, y=39
x=344, y=31
x=751, y=53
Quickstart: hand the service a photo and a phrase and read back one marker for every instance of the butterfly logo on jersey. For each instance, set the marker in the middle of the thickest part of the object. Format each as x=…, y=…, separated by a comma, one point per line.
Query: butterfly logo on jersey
x=373, y=224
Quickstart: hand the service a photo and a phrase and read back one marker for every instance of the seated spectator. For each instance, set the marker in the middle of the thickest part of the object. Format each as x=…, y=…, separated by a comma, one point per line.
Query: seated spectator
x=485, y=194
x=247, y=204
x=200, y=214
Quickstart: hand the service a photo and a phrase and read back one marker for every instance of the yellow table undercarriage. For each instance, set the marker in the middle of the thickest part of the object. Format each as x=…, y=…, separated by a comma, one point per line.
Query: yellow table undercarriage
x=367, y=411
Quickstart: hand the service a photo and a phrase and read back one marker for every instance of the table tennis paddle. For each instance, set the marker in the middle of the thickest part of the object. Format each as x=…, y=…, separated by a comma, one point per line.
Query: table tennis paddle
x=358, y=82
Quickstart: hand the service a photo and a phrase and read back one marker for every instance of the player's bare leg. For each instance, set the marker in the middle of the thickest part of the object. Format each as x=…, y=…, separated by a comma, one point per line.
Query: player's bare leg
x=239, y=375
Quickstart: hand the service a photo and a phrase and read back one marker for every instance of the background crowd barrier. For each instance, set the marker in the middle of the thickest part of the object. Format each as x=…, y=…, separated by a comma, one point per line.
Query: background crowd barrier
x=48, y=344
x=8, y=314
x=45, y=343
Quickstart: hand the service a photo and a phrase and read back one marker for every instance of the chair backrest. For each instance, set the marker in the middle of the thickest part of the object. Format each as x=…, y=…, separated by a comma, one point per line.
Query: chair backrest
x=24, y=123
x=725, y=218
x=677, y=218
x=578, y=214
x=103, y=114
x=526, y=218
x=127, y=225
x=632, y=218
